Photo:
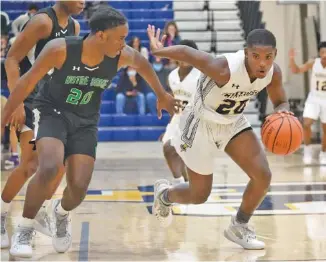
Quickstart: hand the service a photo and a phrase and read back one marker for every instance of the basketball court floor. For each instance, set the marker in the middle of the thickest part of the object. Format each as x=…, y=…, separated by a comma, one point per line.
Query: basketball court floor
x=114, y=223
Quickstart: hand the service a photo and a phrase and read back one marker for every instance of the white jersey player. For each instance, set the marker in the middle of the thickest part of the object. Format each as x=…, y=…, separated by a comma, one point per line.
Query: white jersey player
x=214, y=121
x=315, y=106
x=182, y=82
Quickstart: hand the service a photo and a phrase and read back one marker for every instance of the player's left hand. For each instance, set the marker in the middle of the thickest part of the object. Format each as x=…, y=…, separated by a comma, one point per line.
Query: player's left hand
x=154, y=38
x=169, y=103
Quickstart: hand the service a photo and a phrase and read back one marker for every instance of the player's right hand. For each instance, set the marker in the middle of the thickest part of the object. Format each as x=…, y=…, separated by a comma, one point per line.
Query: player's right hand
x=17, y=119
x=154, y=38
x=169, y=103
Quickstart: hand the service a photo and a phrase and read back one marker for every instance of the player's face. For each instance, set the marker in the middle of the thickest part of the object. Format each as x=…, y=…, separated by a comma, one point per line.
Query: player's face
x=260, y=59
x=184, y=65
x=322, y=54
x=114, y=40
x=74, y=7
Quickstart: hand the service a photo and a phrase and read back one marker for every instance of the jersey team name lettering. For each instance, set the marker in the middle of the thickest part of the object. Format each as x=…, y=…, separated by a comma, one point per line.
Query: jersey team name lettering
x=85, y=80
x=322, y=75
x=240, y=94
x=182, y=92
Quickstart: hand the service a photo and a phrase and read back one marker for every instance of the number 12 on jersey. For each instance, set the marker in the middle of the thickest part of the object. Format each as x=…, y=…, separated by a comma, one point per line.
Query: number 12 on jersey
x=321, y=86
x=231, y=107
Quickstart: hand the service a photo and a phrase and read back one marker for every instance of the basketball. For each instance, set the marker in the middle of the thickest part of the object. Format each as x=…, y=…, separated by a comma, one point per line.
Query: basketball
x=282, y=134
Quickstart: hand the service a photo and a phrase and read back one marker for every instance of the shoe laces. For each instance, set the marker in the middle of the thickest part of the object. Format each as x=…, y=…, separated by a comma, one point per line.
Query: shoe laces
x=3, y=223
x=246, y=230
x=25, y=236
x=62, y=226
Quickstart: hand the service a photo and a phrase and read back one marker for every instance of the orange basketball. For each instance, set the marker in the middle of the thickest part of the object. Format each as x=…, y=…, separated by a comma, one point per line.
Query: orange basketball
x=282, y=134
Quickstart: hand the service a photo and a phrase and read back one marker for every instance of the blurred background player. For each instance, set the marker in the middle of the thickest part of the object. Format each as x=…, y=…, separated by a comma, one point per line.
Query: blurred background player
x=315, y=106
x=183, y=83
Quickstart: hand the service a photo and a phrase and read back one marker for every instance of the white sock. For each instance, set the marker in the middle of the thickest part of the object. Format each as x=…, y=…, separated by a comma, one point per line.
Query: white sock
x=4, y=207
x=46, y=203
x=26, y=222
x=178, y=180
x=307, y=149
x=59, y=210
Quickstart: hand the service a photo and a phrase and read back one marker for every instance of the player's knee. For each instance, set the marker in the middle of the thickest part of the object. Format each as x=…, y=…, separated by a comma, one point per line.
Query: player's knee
x=31, y=168
x=307, y=124
x=200, y=197
x=168, y=150
x=79, y=190
x=265, y=178
x=48, y=170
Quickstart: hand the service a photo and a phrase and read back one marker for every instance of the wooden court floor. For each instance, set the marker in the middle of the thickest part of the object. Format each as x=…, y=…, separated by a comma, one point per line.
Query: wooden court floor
x=114, y=223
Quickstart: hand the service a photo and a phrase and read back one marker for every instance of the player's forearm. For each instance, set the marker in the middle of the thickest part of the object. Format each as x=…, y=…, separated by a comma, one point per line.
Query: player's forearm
x=294, y=67
x=16, y=98
x=281, y=106
x=146, y=71
x=177, y=52
x=13, y=72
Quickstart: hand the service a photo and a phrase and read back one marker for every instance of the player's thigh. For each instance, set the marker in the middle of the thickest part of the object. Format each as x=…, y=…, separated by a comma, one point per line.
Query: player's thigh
x=192, y=143
x=83, y=141
x=323, y=113
x=247, y=152
x=80, y=157
x=28, y=153
x=311, y=110
x=26, y=136
x=51, y=138
x=200, y=185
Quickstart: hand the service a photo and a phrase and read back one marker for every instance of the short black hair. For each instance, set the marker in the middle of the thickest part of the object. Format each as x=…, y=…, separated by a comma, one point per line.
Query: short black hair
x=261, y=37
x=321, y=45
x=106, y=18
x=33, y=7
x=189, y=43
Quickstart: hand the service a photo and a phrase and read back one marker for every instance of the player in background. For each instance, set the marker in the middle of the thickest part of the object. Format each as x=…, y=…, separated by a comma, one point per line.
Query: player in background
x=315, y=106
x=183, y=83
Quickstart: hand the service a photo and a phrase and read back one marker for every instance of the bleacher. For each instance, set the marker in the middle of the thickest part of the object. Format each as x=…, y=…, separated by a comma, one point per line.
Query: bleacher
x=139, y=13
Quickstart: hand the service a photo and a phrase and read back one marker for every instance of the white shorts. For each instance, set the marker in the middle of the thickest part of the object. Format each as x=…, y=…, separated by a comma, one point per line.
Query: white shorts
x=315, y=108
x=198, y=141
x=25, y=129
x=171, y=128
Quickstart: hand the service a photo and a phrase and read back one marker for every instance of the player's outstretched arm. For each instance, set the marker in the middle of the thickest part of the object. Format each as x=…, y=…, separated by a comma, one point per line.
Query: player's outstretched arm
x=215, y=68
x=39, y=27
x=299, y=69
x=52, y=56
x=277, y=93
x=131, y=57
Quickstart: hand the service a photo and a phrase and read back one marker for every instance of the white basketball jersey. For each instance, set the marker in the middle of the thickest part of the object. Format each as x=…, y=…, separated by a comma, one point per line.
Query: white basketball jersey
x=224, y=105
x=318, y=79
x=184, y=90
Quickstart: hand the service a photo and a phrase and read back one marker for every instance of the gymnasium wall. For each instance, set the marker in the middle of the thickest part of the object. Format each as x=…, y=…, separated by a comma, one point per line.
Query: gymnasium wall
x=284, y=22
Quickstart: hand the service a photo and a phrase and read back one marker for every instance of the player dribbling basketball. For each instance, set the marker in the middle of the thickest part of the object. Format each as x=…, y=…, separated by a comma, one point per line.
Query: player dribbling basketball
x=215, y=121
